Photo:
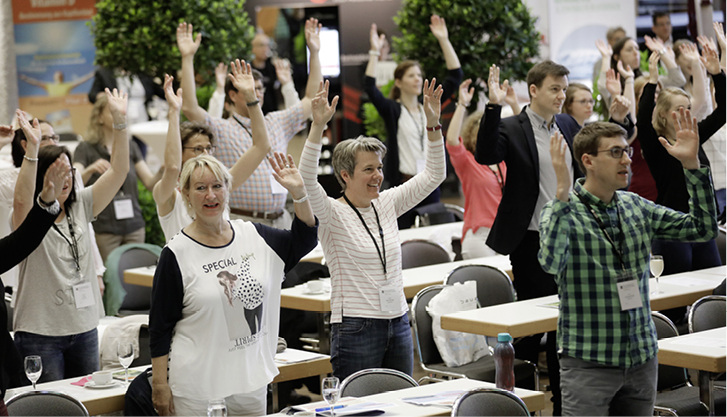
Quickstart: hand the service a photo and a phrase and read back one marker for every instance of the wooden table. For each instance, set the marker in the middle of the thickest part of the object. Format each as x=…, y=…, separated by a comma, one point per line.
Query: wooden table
x=704, y=351
x=539, y=315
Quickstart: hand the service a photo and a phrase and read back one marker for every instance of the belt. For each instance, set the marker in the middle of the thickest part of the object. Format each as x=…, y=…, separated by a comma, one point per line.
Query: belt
x=267, y=215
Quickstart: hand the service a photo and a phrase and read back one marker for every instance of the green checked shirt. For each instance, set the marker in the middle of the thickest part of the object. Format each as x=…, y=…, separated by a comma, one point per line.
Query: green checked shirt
x=591, y=325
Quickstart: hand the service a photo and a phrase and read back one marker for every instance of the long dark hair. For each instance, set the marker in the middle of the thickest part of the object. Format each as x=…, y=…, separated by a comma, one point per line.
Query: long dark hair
x=399, y=72
x=46, y=156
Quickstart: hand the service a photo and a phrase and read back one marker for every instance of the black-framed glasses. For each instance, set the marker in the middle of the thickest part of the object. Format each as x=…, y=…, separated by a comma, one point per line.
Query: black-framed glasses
x=54, y=138
x=585, y=101
x=198, y=150
x=617, y=153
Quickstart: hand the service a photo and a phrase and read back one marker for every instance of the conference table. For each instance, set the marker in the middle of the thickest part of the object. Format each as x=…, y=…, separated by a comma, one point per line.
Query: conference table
x=704, y=351
x=540, y=315
x=111, y=400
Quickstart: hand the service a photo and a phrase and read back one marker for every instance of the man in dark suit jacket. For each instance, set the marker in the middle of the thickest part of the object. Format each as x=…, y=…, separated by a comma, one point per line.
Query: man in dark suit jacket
x=523, y=142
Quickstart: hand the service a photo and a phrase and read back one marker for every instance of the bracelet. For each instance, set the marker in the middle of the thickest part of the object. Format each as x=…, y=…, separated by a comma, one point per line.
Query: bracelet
x=301, y=200
x=663, y=51
x=463, y=104
x=119, y=126
x=253, y=103
x=434, y=128
x=27, y=158
x=374, y=52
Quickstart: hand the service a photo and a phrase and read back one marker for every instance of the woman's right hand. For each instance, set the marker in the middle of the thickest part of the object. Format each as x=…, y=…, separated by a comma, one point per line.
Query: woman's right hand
x=161, y=396
x=376, y=40
x=321, y=111
x=55, y=178
x=466, y=92
x=186, y=42
x=654, y=67
x=496, y=92
x=604, y=48
x=174, y=100
x=32, y=132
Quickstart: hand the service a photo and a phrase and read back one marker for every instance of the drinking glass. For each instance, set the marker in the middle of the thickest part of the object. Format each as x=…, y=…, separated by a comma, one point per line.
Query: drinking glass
x=125, y=351
x=217, y=408
x=656, y=265
x=33, y=368
x=330, y=387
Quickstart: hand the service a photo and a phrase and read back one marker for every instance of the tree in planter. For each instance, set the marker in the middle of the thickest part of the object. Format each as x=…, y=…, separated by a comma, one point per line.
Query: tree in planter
x=139, y=36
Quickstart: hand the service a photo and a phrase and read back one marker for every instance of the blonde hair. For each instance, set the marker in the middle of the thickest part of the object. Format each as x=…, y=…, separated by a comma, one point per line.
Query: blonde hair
x=203, y=161
x=663, y=103
x=470, y=127
x=94, y=133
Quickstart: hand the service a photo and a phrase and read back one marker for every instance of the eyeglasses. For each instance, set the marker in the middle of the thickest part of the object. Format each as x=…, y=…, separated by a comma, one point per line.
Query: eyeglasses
x=54, y=138
x=617, y=153
x=585, y=101
x=198, y=150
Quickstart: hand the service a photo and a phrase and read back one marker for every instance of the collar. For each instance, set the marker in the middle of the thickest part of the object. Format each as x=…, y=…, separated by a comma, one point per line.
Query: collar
x=537, y=120
x=592, y=199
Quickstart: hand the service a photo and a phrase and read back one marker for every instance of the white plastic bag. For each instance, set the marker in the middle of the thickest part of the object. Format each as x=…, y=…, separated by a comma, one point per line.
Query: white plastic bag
x=456, y=348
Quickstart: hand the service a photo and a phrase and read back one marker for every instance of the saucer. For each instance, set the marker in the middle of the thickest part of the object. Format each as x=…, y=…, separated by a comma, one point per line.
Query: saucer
x=306, y=292
x=91, y=384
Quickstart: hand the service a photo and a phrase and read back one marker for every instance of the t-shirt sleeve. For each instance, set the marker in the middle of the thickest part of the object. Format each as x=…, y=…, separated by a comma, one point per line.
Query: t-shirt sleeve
x=82, y=154
x=166, y=303
x=290, y=245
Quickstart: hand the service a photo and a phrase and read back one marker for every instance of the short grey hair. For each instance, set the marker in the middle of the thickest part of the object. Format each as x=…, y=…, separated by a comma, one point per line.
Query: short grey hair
x=344, y=154
x=203, y=161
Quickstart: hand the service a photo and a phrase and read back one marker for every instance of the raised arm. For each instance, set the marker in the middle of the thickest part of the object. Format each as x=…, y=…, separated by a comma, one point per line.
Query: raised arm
x=25, y=186
x=686, y=147
x=455, y=124
x=606, y=52
x=164, y=190
x=558, y=151
x=188, y=45
x=719, y=33
x=313, y=40
x=627, y=74
x=439, y=29
x=285, y=172
x=32, y=81
x=285, y=78
x=83, y=79
x=243, y=80
x=701, y=99
x=216, y=106
x=111, y=181
x=376, y=42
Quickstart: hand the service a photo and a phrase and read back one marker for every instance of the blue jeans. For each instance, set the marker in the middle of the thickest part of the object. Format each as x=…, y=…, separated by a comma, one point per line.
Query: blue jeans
x=592, y=389
x=360, y=343
x=63, y=356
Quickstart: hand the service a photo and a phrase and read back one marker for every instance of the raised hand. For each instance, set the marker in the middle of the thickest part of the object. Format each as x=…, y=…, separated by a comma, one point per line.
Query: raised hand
x=320, y=109
x=627, y=72
x=703, y=40
x=55, y=177
x=242, y=79
x=719, y=33
x=496, y=92
x=286, y=173
x=32, y=131
x=221, y=74
x=654, y=67
x=174, y=100
x=438, y=27
x=558, y=150
x=432, y=101
x=282, y=71
x=466, y=92
x=710, y=59
x=690, y=52
x=312, y=34
x=117, y=104
x=604, y=48
x=613, y=82
x=186, y=42
x=620, y=107
x=98, y=166
x=654, y=44
x=376, y=41
x=511, y=99
x=686, y=145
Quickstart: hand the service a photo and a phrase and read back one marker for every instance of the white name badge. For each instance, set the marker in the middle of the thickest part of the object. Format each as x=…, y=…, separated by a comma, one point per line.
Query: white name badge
x=276, y=187
x=83, y=294
x=389, y=298
x=628, y=292
x=123, y=209
x=421, y=163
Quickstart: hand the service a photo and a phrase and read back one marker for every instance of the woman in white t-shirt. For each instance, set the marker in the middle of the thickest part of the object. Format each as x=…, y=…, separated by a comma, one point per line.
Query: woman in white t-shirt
x=197, y=139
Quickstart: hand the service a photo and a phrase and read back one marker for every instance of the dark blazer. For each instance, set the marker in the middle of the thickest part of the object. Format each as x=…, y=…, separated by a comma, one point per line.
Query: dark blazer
x=105, y=78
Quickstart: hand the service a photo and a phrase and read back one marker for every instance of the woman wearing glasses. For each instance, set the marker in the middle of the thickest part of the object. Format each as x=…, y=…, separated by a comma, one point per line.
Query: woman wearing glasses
x=197, y=139
x=578, y=103
x=121, y=221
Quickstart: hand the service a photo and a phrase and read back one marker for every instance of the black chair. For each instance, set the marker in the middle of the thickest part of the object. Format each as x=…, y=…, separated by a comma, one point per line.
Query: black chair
x=9, y=308
x=144, y=349
x=438, y=213
x=707, y=313
x=722, y=244
x=419, y=252
x=431, y=361
x=137, y=400
x=489, y=402
x=675, y=394
x=375, y=381
x=493, y=284
x=138, y=298
x=45, y=403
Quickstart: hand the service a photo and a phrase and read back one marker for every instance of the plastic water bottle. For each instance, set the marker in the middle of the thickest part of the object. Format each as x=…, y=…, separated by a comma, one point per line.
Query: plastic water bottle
x=504, y=362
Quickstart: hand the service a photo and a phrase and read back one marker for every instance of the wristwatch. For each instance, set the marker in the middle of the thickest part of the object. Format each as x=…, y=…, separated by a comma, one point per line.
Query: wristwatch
x=53, y=208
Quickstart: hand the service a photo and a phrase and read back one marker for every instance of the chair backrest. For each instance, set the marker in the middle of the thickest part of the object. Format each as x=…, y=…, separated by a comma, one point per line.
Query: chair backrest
x=144, y=348
x=45, y=403
x=422, y=323
x=435, y=213
x=375, y=381
x=707, y=313
x=493, y=284
x=722, y=244
x=489, y=402
x=9, y=309
x=668, y=376
x=138, y=298
x=419, y=252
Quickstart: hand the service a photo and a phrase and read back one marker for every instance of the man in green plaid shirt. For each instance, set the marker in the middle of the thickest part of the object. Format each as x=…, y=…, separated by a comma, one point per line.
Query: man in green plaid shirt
x=596, y=241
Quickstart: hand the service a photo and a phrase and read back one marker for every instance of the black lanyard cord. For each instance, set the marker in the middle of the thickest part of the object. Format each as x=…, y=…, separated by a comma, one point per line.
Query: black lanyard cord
x=243, y=126
x=382, y=258
x=617, y=250
x=73, y=242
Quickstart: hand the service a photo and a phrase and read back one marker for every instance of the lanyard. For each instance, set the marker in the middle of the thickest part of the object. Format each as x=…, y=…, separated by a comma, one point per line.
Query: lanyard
x=382, y=258
x=73, y=243
x=499, y=176
x=234, y=116
x=420, y=127
x=618, y=251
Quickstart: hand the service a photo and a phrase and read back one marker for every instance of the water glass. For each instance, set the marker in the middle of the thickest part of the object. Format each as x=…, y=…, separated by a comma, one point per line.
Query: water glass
x=33, y=368
x=331, y=390
x=217, y=408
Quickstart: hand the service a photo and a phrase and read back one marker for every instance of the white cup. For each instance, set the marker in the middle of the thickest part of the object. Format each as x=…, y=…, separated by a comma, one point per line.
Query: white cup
x=315, y=286
x=101, y=377
x=305, y=413
x=326, y=283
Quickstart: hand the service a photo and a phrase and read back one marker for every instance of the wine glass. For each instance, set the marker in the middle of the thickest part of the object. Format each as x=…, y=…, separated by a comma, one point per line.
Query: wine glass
x=656, y=265
x=217, y=408
x=330, y=387
x=33, y=368
x=125, y=351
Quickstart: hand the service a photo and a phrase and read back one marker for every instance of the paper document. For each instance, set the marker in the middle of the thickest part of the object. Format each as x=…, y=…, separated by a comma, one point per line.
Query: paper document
x=295, y=355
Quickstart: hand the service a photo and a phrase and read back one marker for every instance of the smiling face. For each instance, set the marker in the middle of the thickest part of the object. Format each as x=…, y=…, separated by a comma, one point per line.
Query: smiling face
x=547, y=100
x=207, y=195
x=603, y=170
x=411, y=82
x=364, y=183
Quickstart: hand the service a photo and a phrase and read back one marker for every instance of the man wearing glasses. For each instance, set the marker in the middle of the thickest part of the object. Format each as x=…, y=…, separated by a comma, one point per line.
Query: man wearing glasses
x=596, y=239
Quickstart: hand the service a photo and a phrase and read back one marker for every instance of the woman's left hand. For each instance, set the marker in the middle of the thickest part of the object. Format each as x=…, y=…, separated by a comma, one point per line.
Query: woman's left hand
x=432, y=101
x=286, y=173
x=117, y=104
x=438, y=27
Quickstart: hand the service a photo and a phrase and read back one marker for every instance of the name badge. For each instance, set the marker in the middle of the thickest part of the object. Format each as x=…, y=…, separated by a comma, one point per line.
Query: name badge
x=83, y=295
x=421, y=163
x=628, y=291
x=123, y=209
x=276, y=187
x=389, y=298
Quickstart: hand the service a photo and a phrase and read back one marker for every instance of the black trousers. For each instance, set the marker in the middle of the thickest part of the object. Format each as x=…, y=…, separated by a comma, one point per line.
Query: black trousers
x=531, y=281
